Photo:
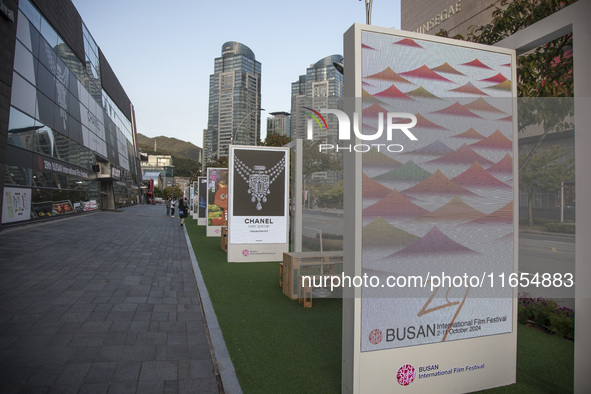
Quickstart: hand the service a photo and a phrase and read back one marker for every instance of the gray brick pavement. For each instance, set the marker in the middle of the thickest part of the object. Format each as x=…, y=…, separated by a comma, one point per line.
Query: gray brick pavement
x=102, y=303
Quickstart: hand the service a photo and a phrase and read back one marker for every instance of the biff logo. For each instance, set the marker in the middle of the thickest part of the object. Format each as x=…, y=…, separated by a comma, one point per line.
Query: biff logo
x=394, y=121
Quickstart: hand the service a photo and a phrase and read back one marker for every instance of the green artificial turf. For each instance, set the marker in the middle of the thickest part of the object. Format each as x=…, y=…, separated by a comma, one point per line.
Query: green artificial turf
x=277, y=346
x=545, y=364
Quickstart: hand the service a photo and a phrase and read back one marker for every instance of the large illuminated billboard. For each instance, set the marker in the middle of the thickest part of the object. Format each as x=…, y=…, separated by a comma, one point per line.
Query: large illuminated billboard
x=258, y=219
x=430, y=208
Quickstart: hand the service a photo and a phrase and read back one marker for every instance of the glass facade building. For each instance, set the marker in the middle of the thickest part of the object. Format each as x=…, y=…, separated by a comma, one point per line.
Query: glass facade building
x=234, y=101
x=279, y=124
x=321, y=87
x=70, y=138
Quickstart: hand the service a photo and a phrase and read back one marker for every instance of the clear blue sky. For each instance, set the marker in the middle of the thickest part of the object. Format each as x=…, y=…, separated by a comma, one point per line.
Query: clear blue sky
x=163, y=52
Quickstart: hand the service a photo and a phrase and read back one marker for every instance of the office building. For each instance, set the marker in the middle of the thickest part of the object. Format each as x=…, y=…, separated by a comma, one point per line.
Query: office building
x=279, y=124
x=321, y=87
x=234, y=101
x=67, y=126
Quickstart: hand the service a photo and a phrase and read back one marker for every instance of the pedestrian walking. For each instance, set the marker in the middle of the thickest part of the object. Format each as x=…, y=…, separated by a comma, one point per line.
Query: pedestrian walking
x=183, y=210
x=172, y=206
x=167, y=202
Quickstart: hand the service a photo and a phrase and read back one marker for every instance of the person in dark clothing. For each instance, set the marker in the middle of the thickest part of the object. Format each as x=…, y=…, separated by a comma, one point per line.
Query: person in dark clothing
x=183, y=208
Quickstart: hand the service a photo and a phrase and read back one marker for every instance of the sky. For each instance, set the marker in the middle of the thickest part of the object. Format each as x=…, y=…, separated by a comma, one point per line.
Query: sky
x=163, y=52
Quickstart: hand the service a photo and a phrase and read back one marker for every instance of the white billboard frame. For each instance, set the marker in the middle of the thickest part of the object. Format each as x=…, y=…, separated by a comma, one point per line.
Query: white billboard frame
x=253, y=237
x=201, y=188
x=211, y=229
x=376, y=371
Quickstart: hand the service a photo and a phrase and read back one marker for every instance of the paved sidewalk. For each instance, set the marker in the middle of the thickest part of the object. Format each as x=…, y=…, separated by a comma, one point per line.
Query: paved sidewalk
x=106, y=302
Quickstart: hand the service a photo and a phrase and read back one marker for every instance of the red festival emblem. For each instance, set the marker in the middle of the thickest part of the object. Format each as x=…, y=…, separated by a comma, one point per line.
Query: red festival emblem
x=245, y=253
x=405, y=375
x=375, y=336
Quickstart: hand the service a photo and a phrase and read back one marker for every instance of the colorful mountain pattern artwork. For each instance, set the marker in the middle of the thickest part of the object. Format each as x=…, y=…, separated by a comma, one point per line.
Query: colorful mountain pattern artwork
x=388, y=75
x=480, y=104
x=457, y=109
x=463, y=155
x=395, y=206
x=496, y=140
x=436, y=148
x=455, y=210
x=425, y=123
x=392, y=92
x=425, y=72
x=438, y=184
x=421, y=92
x=478, y=177
x=476, y=63
x=468, y=88
x=434, y=243
x=375, y=159
x=495, y=79
x=502, y=167
x=373, y=189
x=469, y=134
x=501, y=86
x=446, y=68
x=408, y=43
x=500, y=216
x=409, y=171
x=380, y=234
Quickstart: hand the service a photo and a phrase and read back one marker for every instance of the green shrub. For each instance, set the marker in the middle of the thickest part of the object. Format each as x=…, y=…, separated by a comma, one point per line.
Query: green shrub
x=566, y=228
x=557, y=320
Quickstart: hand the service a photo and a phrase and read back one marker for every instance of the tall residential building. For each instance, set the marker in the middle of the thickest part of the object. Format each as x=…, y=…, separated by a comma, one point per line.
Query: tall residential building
x=321, y=87
x=278, y=123
x=234, y=101
x=67, y=127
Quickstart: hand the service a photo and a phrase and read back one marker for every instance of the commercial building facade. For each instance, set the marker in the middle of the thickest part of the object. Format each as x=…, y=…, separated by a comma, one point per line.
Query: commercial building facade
x=279, y=124
x=67, y=135
x=234, y=101
x=320, y=88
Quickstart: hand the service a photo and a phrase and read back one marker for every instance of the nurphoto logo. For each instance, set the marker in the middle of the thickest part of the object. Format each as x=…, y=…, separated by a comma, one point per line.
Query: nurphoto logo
x=395, y=121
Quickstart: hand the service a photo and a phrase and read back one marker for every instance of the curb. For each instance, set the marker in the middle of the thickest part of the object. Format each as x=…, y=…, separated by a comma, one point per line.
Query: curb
x=547, y=233
x=221, y=356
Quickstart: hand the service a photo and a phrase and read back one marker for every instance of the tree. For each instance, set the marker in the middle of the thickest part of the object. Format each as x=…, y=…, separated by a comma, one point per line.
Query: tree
x=175, y=191
x=546, y=170
x=275, y=139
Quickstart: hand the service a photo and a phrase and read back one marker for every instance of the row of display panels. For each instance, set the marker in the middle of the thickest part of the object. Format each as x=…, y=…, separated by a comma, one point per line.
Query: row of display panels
x=251, y=199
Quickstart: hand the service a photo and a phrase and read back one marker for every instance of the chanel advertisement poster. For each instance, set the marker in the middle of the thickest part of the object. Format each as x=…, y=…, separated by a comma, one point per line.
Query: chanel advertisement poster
x=258, y=204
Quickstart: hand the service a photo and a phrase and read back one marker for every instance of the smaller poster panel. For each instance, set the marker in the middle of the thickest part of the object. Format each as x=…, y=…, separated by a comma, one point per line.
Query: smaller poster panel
x=217, y=201
x=258, y=205
x=16, y=205
x=202, y=201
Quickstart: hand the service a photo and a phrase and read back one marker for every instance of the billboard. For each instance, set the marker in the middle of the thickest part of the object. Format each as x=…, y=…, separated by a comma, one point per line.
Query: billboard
x=259, y=202
x=201, y=201
x=431, y=181
x=16, y=205
x=217, y=201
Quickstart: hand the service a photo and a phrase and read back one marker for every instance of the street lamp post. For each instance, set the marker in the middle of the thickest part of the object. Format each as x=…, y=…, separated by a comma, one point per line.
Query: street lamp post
x=240, y=124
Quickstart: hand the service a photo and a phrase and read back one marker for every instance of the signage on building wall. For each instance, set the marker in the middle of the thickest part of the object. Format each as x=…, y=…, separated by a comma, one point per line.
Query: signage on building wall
x=440, y=17
x=16, y=205
x=48, y=164
x=217, y=201
x=259, y=203
x=432, y=232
